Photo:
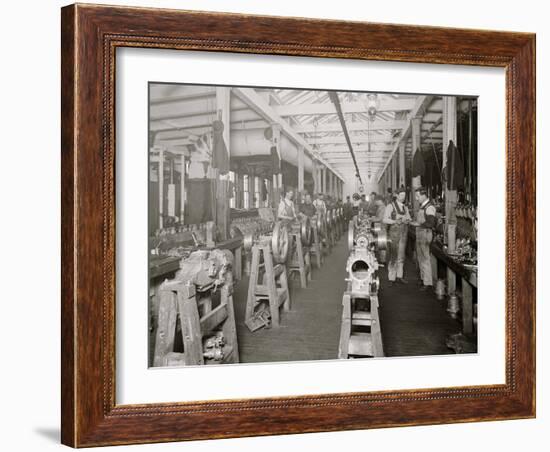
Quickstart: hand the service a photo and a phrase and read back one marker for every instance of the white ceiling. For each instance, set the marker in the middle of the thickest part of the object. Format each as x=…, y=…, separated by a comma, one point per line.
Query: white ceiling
x=177, y=111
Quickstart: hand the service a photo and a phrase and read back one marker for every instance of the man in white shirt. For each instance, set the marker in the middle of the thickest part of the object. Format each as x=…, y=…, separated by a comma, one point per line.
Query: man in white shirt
x=397, y=217
x=319, y=204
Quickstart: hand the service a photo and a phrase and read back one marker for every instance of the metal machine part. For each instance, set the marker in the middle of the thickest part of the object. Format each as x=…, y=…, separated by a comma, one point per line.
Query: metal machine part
x=303, y=226
x=250, y=229
x=206, y=268
x=208, y=332
x=319, y=223
x=362, y=267
x=306, y=231
x=366, y=234
x=360, y=332
x=280, y=242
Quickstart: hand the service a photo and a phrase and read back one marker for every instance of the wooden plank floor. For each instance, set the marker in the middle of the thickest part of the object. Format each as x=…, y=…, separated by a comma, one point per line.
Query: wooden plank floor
x=413, y=322
x=311, y=329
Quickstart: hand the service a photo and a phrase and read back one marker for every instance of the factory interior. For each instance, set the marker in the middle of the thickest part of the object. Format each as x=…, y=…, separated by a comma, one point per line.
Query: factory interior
x=293, y=224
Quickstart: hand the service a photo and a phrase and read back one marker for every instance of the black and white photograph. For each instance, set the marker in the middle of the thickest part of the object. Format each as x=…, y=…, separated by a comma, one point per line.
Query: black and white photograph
x=234, y=225
x=290, y=224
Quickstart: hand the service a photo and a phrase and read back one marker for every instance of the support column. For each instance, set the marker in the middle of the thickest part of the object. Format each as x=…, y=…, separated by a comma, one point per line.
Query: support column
x=329, y=174
x=223, y=113
x=182, y=189
x=314, y=174
x=449, y=134
x=277, y=178
x=275, y=190
x=323, y=180
x=402, y=164
x=300, y=171
x=416, y=181
x=393, y=174
x=161, y=185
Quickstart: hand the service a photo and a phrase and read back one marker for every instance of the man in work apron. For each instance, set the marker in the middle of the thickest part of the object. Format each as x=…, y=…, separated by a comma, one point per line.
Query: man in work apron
x=397, y=217
x=425, y=223
x=286, y=211
x=287, y=215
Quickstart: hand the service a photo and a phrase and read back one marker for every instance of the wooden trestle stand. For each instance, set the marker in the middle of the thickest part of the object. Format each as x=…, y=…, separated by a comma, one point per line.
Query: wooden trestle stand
x=209, y=335
x=268, y=280
x=300, y=262
x=360, y=333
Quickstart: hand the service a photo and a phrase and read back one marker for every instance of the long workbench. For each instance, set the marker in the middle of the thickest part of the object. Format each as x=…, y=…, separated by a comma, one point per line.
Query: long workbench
x=454, y=270
x=468, y=279
x=166, y=265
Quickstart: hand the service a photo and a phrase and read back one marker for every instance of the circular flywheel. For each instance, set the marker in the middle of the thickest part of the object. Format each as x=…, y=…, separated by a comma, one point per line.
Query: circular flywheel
x=306, y=231
x=280, y=243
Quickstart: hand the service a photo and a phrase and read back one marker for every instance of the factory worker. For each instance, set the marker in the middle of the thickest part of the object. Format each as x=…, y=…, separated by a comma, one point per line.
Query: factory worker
x=363, y=204
x=425, y=224
x=380, y=207
x=286, y=209
x=319, y=204
x=397, y=217
x=372, y=207
x=348, y=209
x=307, y=207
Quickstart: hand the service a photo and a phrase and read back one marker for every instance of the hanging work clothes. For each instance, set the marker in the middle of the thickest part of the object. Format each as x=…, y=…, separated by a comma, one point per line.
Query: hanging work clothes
x=199, y=201
x=418, y=166
x=199, y=159
x=220, y=156
x=275, y=161
x=455, y=167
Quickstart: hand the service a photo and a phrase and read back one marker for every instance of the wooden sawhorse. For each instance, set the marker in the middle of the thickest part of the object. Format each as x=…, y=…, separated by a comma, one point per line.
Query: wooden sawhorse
x=273, y=286
x=300, y=260
x=199, y=322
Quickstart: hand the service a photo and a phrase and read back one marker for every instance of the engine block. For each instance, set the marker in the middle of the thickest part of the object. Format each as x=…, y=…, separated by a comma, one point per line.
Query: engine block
x=364, y=240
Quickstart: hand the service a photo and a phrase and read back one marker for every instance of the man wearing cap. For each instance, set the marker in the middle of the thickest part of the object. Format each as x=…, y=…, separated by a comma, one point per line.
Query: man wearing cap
x=397, y=217
x=425, y=223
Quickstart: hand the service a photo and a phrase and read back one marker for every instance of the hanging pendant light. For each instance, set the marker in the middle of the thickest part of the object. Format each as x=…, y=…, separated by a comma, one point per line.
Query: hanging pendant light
x=372, y=105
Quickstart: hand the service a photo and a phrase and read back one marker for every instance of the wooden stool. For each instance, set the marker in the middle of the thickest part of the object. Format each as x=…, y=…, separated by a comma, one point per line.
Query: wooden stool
x=273, y=286
x=206, y=332
x=300, y=260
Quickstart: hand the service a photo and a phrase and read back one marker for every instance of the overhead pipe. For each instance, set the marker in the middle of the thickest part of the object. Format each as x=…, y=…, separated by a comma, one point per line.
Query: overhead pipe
x=334, y=98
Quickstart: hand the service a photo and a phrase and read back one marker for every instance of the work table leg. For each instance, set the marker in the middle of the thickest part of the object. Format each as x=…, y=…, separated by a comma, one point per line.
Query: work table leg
x=467, y=307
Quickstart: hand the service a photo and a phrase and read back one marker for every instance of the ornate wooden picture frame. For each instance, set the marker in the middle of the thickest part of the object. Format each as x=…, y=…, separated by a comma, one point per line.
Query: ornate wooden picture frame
x=90, y=37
